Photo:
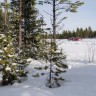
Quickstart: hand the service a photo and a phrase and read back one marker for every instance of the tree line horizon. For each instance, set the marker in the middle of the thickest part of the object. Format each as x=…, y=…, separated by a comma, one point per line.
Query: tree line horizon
x=87, y=32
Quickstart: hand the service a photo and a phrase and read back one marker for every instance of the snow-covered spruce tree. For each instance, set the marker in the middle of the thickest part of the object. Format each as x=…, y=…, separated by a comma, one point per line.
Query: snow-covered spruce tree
x=57, y=66
x=10, y=69
x=54, y=56
x=7, y=60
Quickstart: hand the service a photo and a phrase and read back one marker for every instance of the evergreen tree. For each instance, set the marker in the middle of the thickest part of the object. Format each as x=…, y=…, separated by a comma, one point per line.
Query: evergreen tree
x=11, y=68
x=29, y=13
x=1, y=19
x=55, y=57
x=31, y=26
x=7, y=60
x=14, y=21
x=85, y=33
x=90, y=32
x=57, y=66
x=58, y=7
x=4, y=16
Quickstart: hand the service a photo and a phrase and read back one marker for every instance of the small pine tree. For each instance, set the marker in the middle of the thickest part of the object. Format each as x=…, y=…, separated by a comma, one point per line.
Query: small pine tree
x=57, y=66
x=10, y=71
x=7, y=59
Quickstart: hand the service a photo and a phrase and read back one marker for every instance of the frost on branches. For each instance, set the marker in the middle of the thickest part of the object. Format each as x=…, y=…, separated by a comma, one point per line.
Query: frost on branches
x=9, y=68
x=55, y=67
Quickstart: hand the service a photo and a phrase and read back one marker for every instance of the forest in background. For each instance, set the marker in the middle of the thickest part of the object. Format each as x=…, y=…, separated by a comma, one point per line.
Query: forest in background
x=80, y=32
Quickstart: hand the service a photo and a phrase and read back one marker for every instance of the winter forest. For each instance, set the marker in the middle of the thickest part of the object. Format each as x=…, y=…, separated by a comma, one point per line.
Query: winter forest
x=39, y=61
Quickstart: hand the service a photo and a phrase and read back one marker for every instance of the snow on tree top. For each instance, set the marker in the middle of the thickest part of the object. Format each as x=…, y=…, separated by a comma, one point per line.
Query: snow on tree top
x=2, y=36
x=8, y=68
x=58, y=51
x=10, y=55
x=29, y=60
x=1, y=51
x=14, y=64
x=5, y=48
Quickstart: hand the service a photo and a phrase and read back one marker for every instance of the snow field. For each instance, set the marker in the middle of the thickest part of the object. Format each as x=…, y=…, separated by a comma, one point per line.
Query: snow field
x=80, y=78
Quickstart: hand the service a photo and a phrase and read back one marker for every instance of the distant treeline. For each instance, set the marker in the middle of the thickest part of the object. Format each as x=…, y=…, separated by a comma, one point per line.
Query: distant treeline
x=80, y=32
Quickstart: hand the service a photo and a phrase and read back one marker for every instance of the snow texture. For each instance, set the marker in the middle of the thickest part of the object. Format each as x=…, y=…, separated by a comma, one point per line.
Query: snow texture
x=80, y=78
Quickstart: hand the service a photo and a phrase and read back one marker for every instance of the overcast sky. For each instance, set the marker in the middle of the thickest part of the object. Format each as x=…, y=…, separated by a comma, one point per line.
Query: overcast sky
x=85, y=17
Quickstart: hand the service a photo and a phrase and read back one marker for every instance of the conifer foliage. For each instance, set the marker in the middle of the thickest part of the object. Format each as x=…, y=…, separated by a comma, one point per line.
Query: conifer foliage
x=7, y=59
x=30, y=27
x=10, y=69
x=56, y=67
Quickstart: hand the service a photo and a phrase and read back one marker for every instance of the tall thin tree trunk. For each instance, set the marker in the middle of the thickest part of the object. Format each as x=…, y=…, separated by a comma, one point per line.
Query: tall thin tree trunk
x=20, y=23
x=54, y=22
x=5, y=17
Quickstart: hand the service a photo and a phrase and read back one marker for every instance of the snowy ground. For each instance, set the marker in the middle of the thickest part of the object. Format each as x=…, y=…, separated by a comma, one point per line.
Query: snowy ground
x=79, y=80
